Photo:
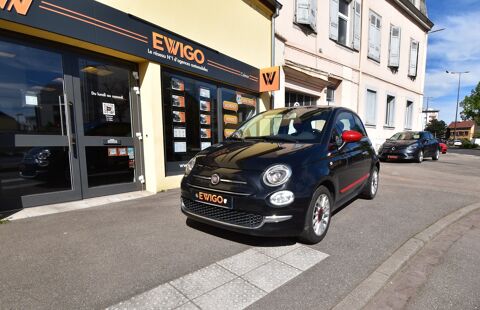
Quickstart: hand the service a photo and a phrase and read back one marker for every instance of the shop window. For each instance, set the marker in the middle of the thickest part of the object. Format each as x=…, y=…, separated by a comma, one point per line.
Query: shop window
x=294, y=99
x=197, y=114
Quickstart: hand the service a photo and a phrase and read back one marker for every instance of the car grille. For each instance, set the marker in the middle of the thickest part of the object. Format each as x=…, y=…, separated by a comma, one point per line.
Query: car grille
x=232, y=217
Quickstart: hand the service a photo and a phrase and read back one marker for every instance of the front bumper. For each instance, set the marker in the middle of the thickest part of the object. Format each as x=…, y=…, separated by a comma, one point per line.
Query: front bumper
x=399, y=154
x=249, y=215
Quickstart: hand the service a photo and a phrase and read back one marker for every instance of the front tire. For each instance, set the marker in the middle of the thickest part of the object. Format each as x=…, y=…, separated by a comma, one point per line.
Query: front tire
x=317, y=219
x=371, y=188
x=437, y=155
x=419, y=158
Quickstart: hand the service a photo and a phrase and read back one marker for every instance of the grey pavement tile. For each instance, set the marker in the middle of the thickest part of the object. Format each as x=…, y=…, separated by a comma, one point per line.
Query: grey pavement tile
x=276, y=251
x=244, y=262
x=201, y=281
x=237, y=294
x=271, y=275
x=188, y=306
x=161, y=297
x=303, y=258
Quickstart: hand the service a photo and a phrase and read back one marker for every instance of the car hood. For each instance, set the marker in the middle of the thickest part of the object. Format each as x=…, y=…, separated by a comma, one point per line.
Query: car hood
x=399, y=143
x=249, y=155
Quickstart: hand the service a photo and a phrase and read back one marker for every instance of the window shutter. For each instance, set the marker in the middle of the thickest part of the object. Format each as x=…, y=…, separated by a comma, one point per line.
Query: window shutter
x=334, y=19
x=394, y=56
x=412, y=70
x=301, y=14
x=371, y=107
x=357, y=24
x=313, y=14
x=374, y=37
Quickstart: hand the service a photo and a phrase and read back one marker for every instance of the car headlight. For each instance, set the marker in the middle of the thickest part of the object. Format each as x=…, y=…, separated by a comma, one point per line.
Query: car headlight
x=277, y=175
x=412, y=147
x=282, y=198
x=190, y=165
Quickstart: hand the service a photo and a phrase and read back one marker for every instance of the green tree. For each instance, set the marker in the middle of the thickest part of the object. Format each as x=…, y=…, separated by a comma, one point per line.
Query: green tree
x=471, y=105
x=437, y=128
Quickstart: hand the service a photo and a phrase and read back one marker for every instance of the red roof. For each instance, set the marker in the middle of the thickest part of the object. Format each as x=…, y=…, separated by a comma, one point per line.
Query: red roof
x=464, y=124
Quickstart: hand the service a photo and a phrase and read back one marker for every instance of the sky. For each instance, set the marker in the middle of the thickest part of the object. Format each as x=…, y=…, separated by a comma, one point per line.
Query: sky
x=457, y=48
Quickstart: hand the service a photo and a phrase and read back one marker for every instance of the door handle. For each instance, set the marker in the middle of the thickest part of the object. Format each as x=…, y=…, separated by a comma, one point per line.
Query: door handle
x=68, y=123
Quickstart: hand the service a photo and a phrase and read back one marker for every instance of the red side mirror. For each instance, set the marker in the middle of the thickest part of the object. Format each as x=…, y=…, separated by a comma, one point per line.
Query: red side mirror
x=351, y=136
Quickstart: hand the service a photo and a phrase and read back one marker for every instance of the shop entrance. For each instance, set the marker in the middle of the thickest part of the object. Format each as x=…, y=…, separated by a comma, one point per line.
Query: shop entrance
x=67, y=126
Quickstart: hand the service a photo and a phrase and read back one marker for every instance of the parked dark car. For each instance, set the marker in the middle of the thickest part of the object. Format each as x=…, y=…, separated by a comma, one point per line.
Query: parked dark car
x=282, y=173
x=410, y=145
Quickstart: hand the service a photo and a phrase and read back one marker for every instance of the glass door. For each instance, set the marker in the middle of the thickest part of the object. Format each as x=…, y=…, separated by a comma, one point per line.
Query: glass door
x=37, y=162
x=106, y=127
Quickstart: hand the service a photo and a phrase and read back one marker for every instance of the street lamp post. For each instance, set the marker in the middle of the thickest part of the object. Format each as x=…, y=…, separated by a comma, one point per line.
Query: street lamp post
x=458, y=99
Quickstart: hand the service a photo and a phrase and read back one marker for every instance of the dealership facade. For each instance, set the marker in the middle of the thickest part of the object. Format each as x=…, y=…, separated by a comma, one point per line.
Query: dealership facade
x=104, y=97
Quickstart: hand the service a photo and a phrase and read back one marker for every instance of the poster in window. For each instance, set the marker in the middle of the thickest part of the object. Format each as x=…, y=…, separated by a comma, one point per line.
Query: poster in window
x=180, y=147
x=228, y=132
x=230, y=119
x=205, y=133
x=205, y=119
x=112, y=151
x=178, y=117
x=178, y=84
x=205, y=105
x=230, y=106
x=179, y=132
x=242, y=99
x=178, y=101
x=122, y=151
x=204, y=92
x=131, y=153
x=205, y=145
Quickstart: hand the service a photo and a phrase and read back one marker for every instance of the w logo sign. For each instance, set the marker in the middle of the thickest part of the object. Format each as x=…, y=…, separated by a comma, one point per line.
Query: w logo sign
x=270, y=79
x=20, y=6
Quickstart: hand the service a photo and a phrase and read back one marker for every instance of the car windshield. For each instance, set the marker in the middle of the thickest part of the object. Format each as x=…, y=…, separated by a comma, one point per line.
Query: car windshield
x=304, y=125
x=408, y=135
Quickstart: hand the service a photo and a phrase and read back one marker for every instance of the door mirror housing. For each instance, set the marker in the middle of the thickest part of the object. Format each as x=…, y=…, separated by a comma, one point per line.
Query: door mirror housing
x=351, y=136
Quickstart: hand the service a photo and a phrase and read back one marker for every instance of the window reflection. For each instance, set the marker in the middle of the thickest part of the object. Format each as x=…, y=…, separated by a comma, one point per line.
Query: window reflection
x=31, y=90
x=34, y=170
x=106, y=99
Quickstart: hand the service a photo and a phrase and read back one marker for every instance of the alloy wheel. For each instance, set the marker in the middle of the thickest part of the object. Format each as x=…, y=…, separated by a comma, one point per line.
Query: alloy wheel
x=374, y=186
x=321, y=214
x=420, y=156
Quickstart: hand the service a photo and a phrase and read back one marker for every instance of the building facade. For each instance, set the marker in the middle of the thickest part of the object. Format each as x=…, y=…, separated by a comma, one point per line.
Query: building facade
x=367, y=55
x=462, y=130
x=102, y=97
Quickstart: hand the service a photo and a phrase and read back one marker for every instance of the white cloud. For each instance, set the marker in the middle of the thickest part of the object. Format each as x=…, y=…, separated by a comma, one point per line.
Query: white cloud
x=457, y=48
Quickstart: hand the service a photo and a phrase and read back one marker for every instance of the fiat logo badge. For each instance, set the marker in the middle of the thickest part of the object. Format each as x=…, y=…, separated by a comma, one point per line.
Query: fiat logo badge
x=215, y=179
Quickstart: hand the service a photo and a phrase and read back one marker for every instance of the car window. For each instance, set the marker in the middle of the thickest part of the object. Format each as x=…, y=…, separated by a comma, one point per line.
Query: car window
x=344, y=122
x=359, y=125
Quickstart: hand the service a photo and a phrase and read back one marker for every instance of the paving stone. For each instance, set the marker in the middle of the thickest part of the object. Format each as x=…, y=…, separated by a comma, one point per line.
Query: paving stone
x=188, y=306
x=244, y=262
x=276, y=251
x=303, y=258
x=237, y=294
x=161, y=297
x=201, y=281
x=271, y=275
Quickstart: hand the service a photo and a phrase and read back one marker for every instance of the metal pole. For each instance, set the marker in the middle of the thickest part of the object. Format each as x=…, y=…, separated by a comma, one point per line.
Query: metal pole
x=456, y=110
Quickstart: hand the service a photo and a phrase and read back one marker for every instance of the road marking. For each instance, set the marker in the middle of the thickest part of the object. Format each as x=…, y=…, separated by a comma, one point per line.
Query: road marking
x=232, y=283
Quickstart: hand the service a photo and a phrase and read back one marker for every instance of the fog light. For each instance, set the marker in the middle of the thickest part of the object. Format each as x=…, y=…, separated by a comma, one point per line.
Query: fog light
x=282, y=198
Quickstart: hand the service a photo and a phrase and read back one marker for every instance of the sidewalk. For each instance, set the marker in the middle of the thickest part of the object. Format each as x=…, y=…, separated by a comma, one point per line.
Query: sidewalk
x=445, y=274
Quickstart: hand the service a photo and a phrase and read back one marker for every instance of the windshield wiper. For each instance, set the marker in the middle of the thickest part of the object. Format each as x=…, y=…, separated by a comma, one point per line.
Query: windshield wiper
x=235, y=139
x=275, y=138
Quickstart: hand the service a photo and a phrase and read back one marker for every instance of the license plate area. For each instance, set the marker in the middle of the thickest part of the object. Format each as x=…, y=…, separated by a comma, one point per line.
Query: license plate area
x=214, y=199
x=392, y=157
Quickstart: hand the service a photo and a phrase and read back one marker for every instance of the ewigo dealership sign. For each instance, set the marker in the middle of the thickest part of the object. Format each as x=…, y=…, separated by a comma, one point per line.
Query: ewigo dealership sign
x=94, y=22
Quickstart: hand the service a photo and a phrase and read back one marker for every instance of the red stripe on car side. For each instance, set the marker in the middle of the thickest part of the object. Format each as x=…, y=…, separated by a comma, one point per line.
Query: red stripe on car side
x=348, y=187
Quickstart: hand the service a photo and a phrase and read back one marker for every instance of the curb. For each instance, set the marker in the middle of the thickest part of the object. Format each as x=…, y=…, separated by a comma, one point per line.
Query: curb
x=368, y=288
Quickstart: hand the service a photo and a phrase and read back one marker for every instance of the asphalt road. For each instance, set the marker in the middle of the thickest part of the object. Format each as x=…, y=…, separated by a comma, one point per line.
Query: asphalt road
x=474, y=152
x=97, y=257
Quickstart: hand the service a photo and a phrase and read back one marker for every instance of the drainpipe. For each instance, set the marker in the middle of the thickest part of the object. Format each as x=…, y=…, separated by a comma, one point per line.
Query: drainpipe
x=275, y=15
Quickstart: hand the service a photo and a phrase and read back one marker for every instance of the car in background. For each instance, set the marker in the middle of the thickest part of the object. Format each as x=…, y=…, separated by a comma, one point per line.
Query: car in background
x=282, y=173
x=410, y=145
x=442, y=146
x=457, y=143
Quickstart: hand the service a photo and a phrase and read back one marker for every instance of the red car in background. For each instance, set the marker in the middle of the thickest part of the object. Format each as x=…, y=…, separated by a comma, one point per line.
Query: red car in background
x=442, y=146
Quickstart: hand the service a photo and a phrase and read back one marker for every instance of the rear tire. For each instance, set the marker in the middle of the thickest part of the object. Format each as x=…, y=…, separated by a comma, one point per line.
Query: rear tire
x=318, y=217
x=370, y=190
x=437, y=155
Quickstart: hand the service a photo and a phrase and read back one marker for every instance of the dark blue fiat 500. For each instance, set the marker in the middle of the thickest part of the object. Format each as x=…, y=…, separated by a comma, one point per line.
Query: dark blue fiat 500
x=282, y=173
